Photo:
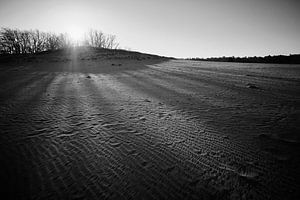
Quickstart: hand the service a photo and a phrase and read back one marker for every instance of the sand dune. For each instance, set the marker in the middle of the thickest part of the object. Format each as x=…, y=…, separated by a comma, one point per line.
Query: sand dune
x=113, y=125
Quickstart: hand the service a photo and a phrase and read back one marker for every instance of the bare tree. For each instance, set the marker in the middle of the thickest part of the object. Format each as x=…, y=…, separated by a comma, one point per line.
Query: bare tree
x=64, y=41
x=25, y=42
x=97, y=38
x=110, y=42
x=6, y=40
x=37, y=41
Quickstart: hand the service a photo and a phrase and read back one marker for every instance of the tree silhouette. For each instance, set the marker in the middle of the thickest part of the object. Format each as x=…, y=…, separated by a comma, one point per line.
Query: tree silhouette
x=15, y=41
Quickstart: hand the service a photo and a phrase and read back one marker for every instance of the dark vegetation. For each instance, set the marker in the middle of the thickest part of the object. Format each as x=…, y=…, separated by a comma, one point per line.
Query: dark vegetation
x=279, y=59
x=15, y=41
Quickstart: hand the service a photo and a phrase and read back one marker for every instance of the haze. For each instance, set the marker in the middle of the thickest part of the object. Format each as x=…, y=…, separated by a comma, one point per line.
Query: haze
x=194, y=28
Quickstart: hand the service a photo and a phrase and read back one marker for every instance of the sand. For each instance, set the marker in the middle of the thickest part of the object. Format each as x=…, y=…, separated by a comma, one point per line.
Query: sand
x=96, y=124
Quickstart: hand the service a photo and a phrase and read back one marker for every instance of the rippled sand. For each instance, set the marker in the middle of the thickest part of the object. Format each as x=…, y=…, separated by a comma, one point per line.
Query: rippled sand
x=96, y=125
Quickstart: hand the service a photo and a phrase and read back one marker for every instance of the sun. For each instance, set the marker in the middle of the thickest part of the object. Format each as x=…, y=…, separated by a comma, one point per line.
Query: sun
x=76, y=33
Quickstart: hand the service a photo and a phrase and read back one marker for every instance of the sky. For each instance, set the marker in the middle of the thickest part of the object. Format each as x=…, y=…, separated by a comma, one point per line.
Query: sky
x=178, y=28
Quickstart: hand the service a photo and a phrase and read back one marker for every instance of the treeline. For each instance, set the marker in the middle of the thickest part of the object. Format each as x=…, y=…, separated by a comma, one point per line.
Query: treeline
x=279, y=59
x=15, y=41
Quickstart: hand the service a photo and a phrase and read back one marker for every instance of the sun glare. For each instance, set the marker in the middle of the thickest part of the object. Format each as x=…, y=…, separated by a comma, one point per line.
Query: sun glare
x=76, y=34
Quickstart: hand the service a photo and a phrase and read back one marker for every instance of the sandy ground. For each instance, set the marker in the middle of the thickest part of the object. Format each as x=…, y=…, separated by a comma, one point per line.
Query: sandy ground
x=94, y=125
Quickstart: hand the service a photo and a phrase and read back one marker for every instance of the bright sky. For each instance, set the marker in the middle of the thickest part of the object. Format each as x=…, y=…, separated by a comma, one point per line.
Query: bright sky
x=179, y=28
